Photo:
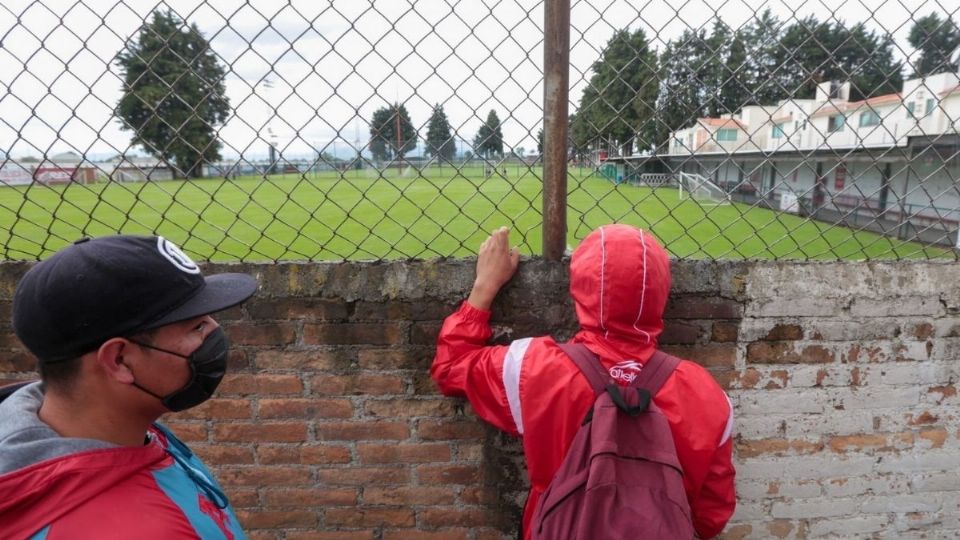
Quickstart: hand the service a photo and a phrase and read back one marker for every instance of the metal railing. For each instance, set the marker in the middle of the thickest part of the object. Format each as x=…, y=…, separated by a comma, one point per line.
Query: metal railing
x=255, y=130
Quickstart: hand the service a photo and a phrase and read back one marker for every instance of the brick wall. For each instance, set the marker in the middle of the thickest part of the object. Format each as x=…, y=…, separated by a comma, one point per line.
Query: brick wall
x=328, y=426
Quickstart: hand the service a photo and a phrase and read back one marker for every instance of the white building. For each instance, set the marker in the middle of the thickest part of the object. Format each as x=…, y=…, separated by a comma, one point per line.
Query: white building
x=890, y=160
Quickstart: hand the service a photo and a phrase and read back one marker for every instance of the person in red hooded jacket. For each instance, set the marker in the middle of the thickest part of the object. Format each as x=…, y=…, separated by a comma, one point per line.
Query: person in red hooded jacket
x=619, y=281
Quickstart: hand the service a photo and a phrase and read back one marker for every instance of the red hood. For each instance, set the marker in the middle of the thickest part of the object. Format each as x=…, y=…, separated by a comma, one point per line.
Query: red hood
x=619, y=281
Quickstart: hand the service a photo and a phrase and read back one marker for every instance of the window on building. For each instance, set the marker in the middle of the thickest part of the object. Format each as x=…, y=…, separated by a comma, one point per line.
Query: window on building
x=835, y=123
x=726, y=134
x=930, y=106
x=910, y=107
x=777, y=131
x=869, y=118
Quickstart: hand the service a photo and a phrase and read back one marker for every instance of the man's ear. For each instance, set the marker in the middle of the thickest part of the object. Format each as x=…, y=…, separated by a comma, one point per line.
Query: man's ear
x=110, y=360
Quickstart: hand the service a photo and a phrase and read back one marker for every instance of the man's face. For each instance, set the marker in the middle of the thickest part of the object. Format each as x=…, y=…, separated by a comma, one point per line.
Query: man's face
x=164, y=373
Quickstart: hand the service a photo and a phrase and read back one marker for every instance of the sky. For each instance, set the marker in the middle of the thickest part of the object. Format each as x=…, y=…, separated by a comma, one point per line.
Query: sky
x=331, y=64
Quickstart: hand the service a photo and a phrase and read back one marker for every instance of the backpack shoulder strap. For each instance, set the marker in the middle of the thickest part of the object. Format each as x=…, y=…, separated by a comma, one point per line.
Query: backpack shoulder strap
x=656, y=371
x=588, y=363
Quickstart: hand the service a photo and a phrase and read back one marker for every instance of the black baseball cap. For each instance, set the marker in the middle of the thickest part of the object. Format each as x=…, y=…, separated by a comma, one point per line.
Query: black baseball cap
x=114, y=286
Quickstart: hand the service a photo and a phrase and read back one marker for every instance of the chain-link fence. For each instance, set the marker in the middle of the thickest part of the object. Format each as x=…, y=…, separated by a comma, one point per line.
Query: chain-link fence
x=262, y=130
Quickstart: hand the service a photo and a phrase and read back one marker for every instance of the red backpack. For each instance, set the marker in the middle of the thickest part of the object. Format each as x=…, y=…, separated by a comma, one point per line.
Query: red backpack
x=621, y=477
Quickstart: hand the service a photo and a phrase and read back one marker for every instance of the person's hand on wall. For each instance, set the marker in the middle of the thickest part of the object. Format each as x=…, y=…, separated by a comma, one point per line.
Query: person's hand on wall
x=496, y=264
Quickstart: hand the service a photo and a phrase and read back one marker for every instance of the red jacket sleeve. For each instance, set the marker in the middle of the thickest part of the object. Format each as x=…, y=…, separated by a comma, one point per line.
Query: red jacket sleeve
x=717, y=499
x=465, y=367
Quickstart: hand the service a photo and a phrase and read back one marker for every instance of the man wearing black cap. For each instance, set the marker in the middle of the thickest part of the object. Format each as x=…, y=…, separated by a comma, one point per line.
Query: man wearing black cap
x=122, y=332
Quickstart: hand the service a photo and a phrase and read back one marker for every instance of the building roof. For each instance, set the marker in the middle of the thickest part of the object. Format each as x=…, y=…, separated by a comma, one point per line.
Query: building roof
x=721, y=122
x=828, y=108
x=875, y=101
x=948, y=91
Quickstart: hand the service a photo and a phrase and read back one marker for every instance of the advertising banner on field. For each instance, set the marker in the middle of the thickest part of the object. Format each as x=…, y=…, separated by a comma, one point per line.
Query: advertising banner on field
x=54, y=175
x=15, y=175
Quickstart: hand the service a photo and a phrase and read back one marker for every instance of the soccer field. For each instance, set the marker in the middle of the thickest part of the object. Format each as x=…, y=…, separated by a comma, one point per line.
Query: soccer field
x=400, y=213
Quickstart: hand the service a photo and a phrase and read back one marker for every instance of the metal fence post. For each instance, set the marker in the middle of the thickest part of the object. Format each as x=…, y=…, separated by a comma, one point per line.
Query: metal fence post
x=556, y=69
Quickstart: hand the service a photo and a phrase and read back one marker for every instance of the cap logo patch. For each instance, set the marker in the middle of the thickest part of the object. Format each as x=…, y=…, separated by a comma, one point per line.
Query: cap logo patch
x=176, y=257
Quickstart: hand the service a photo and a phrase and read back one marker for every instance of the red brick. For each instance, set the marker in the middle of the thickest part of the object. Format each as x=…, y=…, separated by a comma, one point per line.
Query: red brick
x=936, y=436
x=309, y=497
x=264, y=476
x=311, y=454
x=923, y=331
x=220, y=409
x=243, y=497
x=784, y=332
x=446, y=534
x=776, y=447
x=260, y=385
x=17, y=361
x=449, y=429
x=322, y=535
x=486, y=496
x=366, y=476
x=322, y=454
x=862, y=441
x=424, y=333
x=269, y=334
x=409, y=408
x=188, y=432
x=418, y=358
x=370, y=517
x=409, y=495
x=448, y=474
x=302, y=360
x=680, y=334
x=712, y=355
x=353, y=334
x=365, y=385
x=218, y=454
x=260, y=432
x=274, y=519
x=724, y=332
x=702, y=308
x=403, y=453
x=454, y=517
x=296, y=308
x=305, y=408
x=357, y=431
x=782, y=352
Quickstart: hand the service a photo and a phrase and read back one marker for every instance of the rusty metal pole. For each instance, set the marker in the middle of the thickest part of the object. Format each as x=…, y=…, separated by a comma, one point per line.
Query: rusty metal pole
x=556, y=83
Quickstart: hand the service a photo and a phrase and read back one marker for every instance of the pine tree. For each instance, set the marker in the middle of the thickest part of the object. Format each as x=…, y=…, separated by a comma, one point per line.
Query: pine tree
x=617, y=107
x=935, y=39
x=174, y=99
x=489, y=139
x=440, y=143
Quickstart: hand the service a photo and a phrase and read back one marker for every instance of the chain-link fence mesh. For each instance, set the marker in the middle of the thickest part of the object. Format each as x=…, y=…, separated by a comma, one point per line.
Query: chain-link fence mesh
x=369, y=130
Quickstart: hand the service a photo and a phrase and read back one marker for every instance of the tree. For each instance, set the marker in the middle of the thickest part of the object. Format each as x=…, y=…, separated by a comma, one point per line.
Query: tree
x=489, y=139
x=440, y=143
x=812, y=52
x=684, y=78
x=761, y=39
x=540, y=139
x=935, y=39
x=174, y=99
x=392, y=134
x=617, y=106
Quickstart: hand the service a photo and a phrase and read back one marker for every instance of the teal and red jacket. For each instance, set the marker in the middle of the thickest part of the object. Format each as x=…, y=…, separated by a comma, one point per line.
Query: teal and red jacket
x=65, y=488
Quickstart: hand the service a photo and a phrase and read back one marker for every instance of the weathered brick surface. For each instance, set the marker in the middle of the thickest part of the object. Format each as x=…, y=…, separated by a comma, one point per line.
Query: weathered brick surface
x=843, y=377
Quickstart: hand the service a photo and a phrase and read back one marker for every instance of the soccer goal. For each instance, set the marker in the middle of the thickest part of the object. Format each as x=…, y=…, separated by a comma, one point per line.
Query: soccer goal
x=700, y=189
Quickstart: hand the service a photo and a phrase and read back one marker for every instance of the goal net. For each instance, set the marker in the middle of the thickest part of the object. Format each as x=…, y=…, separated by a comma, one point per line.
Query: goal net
x=700, y=189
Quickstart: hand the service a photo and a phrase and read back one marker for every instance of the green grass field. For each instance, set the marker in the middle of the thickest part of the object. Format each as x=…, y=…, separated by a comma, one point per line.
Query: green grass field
x=398, y=214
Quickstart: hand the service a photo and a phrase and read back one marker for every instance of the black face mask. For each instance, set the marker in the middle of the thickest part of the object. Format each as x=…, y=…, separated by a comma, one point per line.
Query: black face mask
x=208, y=363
